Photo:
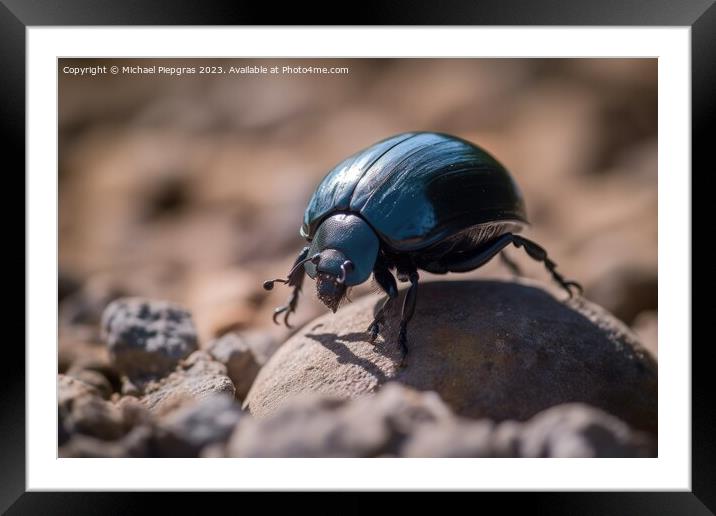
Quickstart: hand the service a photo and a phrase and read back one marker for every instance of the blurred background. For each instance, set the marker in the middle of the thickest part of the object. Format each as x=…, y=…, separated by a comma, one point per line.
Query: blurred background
x=192, y=188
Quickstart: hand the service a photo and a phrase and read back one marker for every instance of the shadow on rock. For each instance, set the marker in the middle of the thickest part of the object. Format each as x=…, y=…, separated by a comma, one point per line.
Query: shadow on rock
x=344, y=355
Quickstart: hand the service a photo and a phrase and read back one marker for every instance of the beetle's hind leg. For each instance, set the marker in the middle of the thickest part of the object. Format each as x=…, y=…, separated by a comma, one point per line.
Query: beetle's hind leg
x=386, y=281
x=484, y=253
x=537, y=252
x=295, y=280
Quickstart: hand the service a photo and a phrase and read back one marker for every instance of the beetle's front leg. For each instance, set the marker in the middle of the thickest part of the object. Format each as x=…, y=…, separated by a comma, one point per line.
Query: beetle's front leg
x=385, y=279
x=295, y=280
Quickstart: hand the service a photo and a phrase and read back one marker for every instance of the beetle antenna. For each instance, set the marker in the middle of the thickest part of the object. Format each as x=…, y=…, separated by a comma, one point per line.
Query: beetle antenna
x=346, y=267
x=268, y=285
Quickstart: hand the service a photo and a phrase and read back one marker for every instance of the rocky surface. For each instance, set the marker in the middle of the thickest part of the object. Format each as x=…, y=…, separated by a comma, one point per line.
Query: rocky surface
x=93, y=378
x=194, y=378
x=136, y=443
x=577, y=430
x=328, y=427
x=194, y=412
x=147, y=338
x=204, y=422
x=400, y=422
x=243, y=354
x=82, y=410
x=492, y=350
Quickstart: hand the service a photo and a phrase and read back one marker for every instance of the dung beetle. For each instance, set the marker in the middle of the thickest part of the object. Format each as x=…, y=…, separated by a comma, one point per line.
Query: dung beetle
x=418, y=200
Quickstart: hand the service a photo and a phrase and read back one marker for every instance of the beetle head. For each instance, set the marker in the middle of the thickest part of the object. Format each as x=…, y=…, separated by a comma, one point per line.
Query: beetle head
x=347, y=249
x=331, y=272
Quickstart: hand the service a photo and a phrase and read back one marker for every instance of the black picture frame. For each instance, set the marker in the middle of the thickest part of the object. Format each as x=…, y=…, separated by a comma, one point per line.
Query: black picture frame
x=17, y=15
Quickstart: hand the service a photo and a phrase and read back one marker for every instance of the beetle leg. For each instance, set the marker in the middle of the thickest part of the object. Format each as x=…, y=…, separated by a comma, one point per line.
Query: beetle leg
x=386, y=280
x=537, y=252
x=407, y=314
x=295, y=280
x=486, y=252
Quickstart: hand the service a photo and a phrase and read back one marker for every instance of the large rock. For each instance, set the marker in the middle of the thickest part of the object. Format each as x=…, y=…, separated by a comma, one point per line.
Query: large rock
x=490, y=349
x=147, y=338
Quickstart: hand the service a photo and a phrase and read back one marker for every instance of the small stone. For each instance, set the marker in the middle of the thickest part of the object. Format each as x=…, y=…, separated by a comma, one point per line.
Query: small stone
x=563, y=431
x=129, y=388
x=243, y=355
x=93, y=378
x=213, y=451
x=136, y=443
x=99, y=363
x=318, y=426
x=302, y=429
x=194, y=378
x=133, y=412
x=71, y=389
x=456, y=439
x=147, y=338
x=204, y=422
x=82, y=410
x=98, y=418
x=506, y=439
x=577, y=430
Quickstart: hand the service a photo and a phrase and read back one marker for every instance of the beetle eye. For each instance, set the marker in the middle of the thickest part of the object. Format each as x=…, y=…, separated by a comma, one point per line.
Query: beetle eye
x=346, y=267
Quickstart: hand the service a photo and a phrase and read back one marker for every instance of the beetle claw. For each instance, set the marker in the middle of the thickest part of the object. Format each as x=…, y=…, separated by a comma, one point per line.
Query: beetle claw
x=576, y=285
x=567, y=285
x=285, y=318
x=278, y=311
x=373, y=330
x=288, y=310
